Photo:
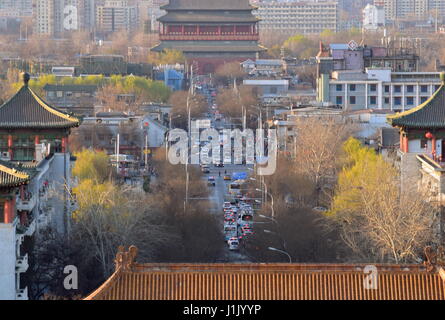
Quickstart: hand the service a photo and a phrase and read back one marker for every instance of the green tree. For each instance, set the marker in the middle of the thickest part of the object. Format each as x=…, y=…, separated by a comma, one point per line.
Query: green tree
x=91, y=165
x=376, y=220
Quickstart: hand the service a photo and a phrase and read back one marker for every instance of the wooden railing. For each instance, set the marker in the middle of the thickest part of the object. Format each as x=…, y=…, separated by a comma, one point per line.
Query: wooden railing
x=191, y=37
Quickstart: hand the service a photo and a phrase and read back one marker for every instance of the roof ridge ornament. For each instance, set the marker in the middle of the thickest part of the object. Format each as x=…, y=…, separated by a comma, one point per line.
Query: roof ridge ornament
x=26, y=77
x=125, y=260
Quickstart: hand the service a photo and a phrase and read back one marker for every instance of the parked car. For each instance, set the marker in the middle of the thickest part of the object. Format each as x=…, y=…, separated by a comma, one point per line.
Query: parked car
x=211, y=181
x=227, y=177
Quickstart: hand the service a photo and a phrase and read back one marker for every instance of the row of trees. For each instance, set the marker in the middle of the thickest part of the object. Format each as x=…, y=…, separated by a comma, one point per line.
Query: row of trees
x=369, y=220
x=110, y=214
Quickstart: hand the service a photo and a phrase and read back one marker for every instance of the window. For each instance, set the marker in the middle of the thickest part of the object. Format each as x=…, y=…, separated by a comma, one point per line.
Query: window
x=273, y=90
x=410, y=101
x=339, y=100
x=436, y=87
x=352, y=99
x=410, y=88
x=387, y=88
x=59, y=94
x=423, y=99
x=339, y=87
x=352, y=87
x=423, y=144
x=397, y=89
x=386, y=100
x=397, y=101
x=424, y=88
x=373, y=88
x=373, y=100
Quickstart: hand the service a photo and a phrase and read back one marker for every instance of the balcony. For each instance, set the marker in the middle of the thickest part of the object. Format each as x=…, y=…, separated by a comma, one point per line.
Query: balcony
x=194, y=37
x=28, y=204
x=21, y=264
x=22, y=294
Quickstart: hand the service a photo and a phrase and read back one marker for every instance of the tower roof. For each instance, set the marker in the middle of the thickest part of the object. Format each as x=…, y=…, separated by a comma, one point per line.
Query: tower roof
x=208, y=5
x=27, y=110
x=428, y=115
x=11, y=177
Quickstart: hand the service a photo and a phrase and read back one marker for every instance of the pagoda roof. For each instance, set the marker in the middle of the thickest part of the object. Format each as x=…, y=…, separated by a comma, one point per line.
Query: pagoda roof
x=214, y=17
x=11, y=177
x=266, y=281
x=428, y=115
x=208, y=5
x=26, y=110
x=209, y=46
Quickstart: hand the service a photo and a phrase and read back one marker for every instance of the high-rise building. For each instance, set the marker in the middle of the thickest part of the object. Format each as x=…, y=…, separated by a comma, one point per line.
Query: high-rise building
x=54, y=17
x=15, y=8
x=302, y=17
x=114, y=15
x=373, y=17
x=420, y=9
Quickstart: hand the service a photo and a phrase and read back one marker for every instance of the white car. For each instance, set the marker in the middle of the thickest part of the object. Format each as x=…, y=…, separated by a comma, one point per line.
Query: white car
x=226, y=205
x=233, y=244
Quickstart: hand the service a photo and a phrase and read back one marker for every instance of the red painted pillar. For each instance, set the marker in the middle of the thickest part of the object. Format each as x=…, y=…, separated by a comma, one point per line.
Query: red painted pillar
x=405, y=142
x=182, y=29
x=9, y=211
x=433, y=147
x=10, y=145
x=64, y=144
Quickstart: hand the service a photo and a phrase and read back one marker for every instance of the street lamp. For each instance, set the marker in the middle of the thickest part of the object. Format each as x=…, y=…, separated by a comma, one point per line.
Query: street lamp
x=281, y=251
x=271, y=197
x=279, y=236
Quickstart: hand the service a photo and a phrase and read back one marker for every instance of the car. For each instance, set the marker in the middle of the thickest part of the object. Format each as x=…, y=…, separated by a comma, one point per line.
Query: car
x=320, y=209
x=211, y=181
x=226, y=205
x=227, y=177
x=219, y=165
x=246, y=230
x=205, y=169
x=233, y=243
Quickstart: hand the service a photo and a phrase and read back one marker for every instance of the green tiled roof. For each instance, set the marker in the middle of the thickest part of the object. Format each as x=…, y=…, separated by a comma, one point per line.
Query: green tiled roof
x=214, y=17
x=428, y=115
x=27, y=110
x=11, y=177
x=208, y=5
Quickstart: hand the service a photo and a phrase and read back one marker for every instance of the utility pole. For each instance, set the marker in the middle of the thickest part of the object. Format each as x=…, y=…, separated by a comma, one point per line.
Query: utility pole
x=117, y=153
x=145, y=151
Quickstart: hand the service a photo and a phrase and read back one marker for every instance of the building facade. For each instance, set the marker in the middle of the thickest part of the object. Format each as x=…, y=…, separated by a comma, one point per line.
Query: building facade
x=377, y=89
x=210, y=32
x=115, y=15
x=373, y=17
x=298, y=17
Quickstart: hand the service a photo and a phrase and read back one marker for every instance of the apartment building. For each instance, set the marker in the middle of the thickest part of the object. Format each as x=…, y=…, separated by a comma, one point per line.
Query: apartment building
x=420, y=9
x=54, y=17
x=115, y=15
x=298, y=17
x=378, y=88
x=15, y=8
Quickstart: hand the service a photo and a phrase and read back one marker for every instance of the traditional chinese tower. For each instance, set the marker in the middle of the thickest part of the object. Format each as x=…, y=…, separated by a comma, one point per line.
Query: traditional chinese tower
x=26, y=120
x=422, y=145
x=210, y=32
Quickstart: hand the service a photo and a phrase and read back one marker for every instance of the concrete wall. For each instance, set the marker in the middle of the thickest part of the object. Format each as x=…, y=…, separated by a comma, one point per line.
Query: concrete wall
x=7, y=262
